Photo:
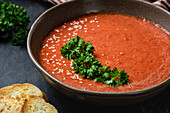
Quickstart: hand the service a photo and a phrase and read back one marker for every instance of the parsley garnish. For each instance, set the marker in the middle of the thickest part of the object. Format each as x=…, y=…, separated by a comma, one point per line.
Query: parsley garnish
x=88, y=66
x=14, y=22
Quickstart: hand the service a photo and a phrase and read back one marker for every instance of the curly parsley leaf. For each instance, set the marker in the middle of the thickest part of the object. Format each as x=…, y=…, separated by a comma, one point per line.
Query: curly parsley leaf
x=88, y=66
x=14, y=22
x=75, y=47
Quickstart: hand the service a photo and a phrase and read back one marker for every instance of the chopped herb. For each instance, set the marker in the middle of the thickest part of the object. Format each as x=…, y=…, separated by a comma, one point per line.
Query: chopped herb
x=88, y=66
x=14, y=22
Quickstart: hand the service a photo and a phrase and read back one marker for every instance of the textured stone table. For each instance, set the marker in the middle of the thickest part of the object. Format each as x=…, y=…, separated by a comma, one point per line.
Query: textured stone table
x=16, y=67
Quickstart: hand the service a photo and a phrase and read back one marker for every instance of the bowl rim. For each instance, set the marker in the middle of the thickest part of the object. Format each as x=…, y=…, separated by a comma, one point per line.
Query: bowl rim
x=137, y=92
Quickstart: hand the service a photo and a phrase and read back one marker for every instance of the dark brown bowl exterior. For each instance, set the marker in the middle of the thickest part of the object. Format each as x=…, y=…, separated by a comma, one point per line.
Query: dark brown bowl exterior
x=57, y=15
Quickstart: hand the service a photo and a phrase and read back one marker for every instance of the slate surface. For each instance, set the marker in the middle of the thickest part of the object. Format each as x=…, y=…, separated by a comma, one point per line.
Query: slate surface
x=16, y=67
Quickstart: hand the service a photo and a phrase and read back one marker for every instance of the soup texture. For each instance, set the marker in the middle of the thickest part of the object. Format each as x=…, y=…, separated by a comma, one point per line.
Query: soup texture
x=139, y=47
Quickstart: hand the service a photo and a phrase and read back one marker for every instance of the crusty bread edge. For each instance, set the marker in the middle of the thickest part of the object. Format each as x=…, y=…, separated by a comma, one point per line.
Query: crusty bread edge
x=26, y=100
x=44, y=96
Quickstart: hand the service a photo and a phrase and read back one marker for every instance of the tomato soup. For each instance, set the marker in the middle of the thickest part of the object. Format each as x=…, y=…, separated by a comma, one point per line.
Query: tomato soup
x=139, y=47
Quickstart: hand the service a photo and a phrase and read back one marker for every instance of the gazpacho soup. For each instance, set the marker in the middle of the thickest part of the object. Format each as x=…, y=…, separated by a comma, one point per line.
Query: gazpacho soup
x=138, y=46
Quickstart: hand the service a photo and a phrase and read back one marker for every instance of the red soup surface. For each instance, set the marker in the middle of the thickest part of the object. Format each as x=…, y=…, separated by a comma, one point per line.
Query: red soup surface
x=139, y=47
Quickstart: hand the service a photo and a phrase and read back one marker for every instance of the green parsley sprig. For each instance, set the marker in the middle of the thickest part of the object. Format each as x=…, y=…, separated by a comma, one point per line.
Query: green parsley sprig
x=14, y=22
x=88, y=66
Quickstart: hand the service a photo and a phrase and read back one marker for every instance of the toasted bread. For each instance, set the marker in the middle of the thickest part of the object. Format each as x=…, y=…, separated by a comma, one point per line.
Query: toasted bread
x=22, y=91
x=36, y=104
x=11, y=105
x=24, y=98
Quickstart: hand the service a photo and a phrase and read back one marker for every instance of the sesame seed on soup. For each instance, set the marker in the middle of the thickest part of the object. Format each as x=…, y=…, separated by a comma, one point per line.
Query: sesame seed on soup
x=139, y=47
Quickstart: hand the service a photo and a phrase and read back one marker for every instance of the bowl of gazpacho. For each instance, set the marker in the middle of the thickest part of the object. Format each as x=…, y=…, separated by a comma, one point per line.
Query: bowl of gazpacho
x=103, y=52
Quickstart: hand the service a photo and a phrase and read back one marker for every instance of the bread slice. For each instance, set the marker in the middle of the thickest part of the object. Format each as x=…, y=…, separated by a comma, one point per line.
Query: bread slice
x=11, y=105
x=36, y=104
x=24, y=98
x=22, y=91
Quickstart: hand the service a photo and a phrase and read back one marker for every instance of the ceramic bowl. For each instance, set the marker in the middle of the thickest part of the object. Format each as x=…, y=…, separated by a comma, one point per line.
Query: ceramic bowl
x=60, y=14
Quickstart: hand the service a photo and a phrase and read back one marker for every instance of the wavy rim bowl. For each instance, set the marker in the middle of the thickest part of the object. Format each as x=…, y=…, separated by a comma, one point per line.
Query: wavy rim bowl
x=86, y=92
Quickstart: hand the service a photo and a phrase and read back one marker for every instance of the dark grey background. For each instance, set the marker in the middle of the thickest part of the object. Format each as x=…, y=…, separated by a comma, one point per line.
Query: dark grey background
x=16, y=67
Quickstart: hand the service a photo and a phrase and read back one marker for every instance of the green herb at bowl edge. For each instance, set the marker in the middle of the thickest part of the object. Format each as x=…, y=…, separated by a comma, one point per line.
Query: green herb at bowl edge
x=14, y=22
